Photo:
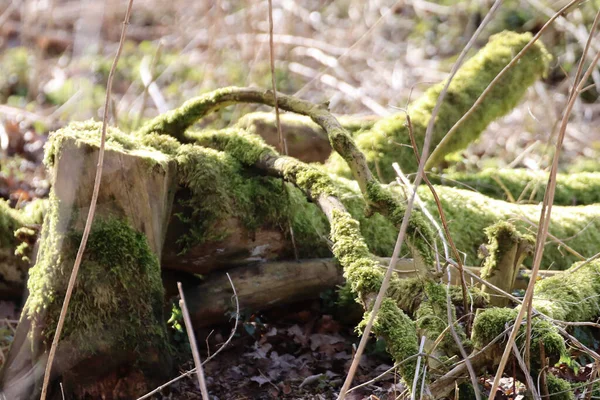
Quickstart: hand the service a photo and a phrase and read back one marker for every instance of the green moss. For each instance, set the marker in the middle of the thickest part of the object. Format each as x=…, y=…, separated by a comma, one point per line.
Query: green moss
x=400, y=334
x=559, y=389
x=15, y=239
x=388, y=141
x=570, y=296
x=89, y=132
x=469, y=214
x=175, y=122
x=529, y=186
x=220, y=188
x=419, y=233
x=432, y=317
x=477, y=298
x=117, y=301
x=502, y=237
x=492, y=322
x=379, y=232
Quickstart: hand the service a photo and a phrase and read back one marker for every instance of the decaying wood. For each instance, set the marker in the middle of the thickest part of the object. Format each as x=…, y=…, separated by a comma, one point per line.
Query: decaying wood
x=131, y=192
x=260, y=286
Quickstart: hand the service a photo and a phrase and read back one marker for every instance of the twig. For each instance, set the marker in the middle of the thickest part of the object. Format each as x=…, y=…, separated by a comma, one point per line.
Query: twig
x=544, y=222
x=194, y=346
x=413, y=391
x=282, y=146
x=525, y=370
x=461, y=348
x=282, y=142
x=590, y=388
x=542, y=382
x=193, y=370
x=92, y=210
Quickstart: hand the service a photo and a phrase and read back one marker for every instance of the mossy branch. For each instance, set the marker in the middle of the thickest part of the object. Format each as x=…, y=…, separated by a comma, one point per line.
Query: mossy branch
x=388, y=141
x=527, y=186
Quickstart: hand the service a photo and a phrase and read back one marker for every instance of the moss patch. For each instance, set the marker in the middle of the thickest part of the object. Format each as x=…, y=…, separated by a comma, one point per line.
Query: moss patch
x=492, y=322
x=559, y=389
x=117, y=301
x=400, y=334
x=469, y=214
x=570, y=296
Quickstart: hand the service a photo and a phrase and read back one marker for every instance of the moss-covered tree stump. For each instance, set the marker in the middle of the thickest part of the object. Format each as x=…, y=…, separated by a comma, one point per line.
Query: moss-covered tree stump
x=114, y=343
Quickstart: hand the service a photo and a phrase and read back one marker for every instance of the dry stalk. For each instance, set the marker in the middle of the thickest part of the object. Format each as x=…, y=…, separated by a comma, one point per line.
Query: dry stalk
x=92, y=210
x=543, y=227
x=282, y=146
x=525, y=370
x=194, y=346
x=413, y=392
x=409, y=208
x=542, y=382
x=282, y=142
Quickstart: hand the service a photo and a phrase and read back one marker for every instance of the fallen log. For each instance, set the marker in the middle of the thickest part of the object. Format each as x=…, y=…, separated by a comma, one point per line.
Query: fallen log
x=526, y=186
x=114, y=343
x=261, y=286
x=389, y=140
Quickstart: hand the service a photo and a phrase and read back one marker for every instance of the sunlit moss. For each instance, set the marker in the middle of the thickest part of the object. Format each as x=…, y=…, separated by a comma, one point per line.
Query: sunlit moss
x=117, y=301
x=469, y=214
x=529, y=186
x=389, y=141
x=492, y=322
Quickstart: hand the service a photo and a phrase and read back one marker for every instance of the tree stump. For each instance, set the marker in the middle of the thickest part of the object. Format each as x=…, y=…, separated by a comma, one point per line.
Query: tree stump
x=114, y=343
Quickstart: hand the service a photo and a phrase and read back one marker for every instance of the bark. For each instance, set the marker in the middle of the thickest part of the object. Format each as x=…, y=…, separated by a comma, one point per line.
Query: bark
x=114, y=343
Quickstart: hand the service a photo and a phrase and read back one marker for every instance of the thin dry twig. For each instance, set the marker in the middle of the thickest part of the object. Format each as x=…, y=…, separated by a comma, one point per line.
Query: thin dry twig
x=525, y=370
x=413, y=392
x=194, y=346
x=282, y=146
x=542, y=382
x=193, y=370
x=92, y=210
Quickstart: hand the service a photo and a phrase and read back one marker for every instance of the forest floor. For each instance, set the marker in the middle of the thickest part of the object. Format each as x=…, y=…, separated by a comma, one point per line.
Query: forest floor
x=364, y=56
